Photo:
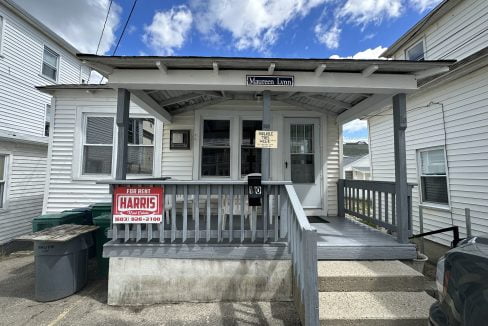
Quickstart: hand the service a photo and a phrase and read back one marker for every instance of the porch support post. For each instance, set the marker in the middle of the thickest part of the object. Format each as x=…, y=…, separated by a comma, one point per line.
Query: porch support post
x=266, y=152
x=122, y=120
x=401, y=186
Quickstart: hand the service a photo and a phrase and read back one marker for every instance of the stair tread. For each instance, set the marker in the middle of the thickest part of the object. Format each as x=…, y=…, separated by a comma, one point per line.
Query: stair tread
x=374, y=305
x=365, y=269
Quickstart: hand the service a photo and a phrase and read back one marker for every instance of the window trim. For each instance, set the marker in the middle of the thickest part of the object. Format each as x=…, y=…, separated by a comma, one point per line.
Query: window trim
x=57, y=63
x=231, y=145
x=414, y=45
x=77, y=165
x=2, y=33
x=6, y=187
x=427, y=204
x=239, y=140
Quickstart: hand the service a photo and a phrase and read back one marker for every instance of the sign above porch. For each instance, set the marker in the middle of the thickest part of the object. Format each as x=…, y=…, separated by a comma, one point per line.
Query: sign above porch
x=259, y=80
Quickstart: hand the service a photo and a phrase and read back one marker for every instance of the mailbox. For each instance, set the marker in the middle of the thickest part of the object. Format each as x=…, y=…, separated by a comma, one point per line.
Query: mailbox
x=254, y=189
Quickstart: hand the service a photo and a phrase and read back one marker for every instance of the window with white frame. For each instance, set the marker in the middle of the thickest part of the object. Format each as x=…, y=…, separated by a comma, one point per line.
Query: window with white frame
x=141, y=146
x=433, y=176
x=3, y=179
x=1, y=32
x=98, y=145
x=416, y=52
x=50, y=64
x=216, y=148
x=250, y=155
x=98, y=139
x=47, y=120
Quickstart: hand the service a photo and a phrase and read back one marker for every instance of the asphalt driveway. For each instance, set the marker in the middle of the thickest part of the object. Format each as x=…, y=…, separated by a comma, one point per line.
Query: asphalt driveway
x=88, y=307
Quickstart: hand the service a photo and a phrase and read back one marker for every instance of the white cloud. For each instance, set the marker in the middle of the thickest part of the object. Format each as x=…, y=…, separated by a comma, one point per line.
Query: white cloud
x=168, y=30
x=363, y=12
x=366, y=54
x=355, y=125
x=423, y=5
x=328, y=37
x=78, y=22
x=253, y=24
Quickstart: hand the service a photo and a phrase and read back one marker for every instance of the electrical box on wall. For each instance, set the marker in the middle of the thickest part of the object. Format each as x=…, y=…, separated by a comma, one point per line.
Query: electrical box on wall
x=179, y=139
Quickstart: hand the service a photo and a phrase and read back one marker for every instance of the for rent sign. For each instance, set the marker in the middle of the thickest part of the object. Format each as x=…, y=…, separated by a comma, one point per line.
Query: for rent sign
x=141, y=204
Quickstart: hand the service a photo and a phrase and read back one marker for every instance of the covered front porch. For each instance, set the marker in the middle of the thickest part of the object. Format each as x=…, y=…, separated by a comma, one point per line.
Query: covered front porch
x=207, y=213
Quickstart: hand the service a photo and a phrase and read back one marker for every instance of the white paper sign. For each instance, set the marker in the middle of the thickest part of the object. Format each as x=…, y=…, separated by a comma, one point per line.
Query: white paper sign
x=266, y=139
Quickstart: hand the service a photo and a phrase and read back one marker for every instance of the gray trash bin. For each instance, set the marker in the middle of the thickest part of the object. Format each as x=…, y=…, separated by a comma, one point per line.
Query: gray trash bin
x=61, y=267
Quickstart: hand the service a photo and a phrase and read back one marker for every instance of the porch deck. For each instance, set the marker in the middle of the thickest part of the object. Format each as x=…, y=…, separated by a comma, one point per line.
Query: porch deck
x=345, y=239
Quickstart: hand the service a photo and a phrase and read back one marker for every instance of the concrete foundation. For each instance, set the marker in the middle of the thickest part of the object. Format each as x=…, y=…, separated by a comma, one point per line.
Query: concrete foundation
x=145, y=281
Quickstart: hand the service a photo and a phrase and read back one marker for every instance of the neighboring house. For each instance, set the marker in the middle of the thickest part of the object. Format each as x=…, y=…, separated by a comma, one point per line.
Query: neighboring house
x=356, y=167
x=447, y=132
x=358, y=148
x=30, y=55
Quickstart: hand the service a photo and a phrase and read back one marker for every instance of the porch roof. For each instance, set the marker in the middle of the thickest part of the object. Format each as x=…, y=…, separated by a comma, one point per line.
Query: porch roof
x=346, y=88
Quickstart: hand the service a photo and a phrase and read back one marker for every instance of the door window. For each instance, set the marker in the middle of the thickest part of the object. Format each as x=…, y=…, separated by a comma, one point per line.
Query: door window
x=302, y=153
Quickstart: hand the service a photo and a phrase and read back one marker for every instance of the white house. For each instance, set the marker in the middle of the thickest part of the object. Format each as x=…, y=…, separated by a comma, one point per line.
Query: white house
x=356, y=167
x=30, y=55
x=447, y=133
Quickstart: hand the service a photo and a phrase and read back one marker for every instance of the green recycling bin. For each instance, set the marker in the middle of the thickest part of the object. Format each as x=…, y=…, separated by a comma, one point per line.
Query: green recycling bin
x=49, y=220
x=101, y=209
x=103, y=222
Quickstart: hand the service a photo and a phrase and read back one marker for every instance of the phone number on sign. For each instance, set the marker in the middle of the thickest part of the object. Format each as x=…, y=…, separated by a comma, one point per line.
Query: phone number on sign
x=137, y=219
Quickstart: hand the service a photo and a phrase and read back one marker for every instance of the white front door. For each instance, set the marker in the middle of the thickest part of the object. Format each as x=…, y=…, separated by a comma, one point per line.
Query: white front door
x=302, y=159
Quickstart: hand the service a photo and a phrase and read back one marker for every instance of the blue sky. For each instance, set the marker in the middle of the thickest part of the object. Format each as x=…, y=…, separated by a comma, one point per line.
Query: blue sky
x=251, y=28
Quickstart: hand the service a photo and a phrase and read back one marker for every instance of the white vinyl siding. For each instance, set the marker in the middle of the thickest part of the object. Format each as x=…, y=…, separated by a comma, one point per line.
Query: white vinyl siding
x=459, y=33
x=464, y=103
x=66, y=188
x=24, y=190
x=22, y=106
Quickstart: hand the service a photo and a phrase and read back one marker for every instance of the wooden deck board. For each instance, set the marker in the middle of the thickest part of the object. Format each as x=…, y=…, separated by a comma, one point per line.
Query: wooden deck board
x=344, y=239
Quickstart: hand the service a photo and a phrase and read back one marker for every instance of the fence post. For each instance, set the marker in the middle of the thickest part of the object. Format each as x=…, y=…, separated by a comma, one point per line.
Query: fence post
x=340, y=198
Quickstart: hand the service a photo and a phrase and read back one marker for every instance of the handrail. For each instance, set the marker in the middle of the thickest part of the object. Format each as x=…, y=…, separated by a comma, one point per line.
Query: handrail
x=187, y=182
x=374, y=202
x=302, y=243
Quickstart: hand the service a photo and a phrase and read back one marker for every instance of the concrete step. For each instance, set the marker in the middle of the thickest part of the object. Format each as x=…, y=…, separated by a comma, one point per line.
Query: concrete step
x=378, y=275
x=374, y=308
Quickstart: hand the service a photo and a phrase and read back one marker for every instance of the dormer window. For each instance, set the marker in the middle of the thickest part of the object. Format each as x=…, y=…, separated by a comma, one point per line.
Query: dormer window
x=416, y=52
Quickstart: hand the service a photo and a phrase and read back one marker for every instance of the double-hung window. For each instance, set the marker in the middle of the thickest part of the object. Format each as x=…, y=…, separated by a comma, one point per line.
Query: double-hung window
x=3, y=178
x=2, y=21
x=50, y=64
x=141, y=146
x=416, y=52
x=99, y=151
x=98, y=142
x=250, y=155
x=216, y=148
x=47, y=120
x=433, y=176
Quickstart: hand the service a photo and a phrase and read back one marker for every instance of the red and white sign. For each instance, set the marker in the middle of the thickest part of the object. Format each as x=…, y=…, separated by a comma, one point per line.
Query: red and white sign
x=137, y=204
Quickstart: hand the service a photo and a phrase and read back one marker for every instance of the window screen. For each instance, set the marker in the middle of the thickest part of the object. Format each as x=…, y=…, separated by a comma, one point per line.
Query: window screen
x=433, y=176
x=141, y=146
x=216, y=148
x=50, y=64
x=98, y=145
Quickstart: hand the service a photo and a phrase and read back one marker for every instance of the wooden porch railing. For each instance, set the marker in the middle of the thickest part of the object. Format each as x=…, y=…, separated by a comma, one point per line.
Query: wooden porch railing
x=373, y=202
x=208, y=212
x=302, y=243
x=217, y=212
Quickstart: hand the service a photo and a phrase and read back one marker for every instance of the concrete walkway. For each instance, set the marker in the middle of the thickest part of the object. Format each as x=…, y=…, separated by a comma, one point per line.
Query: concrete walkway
x=18, y=307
